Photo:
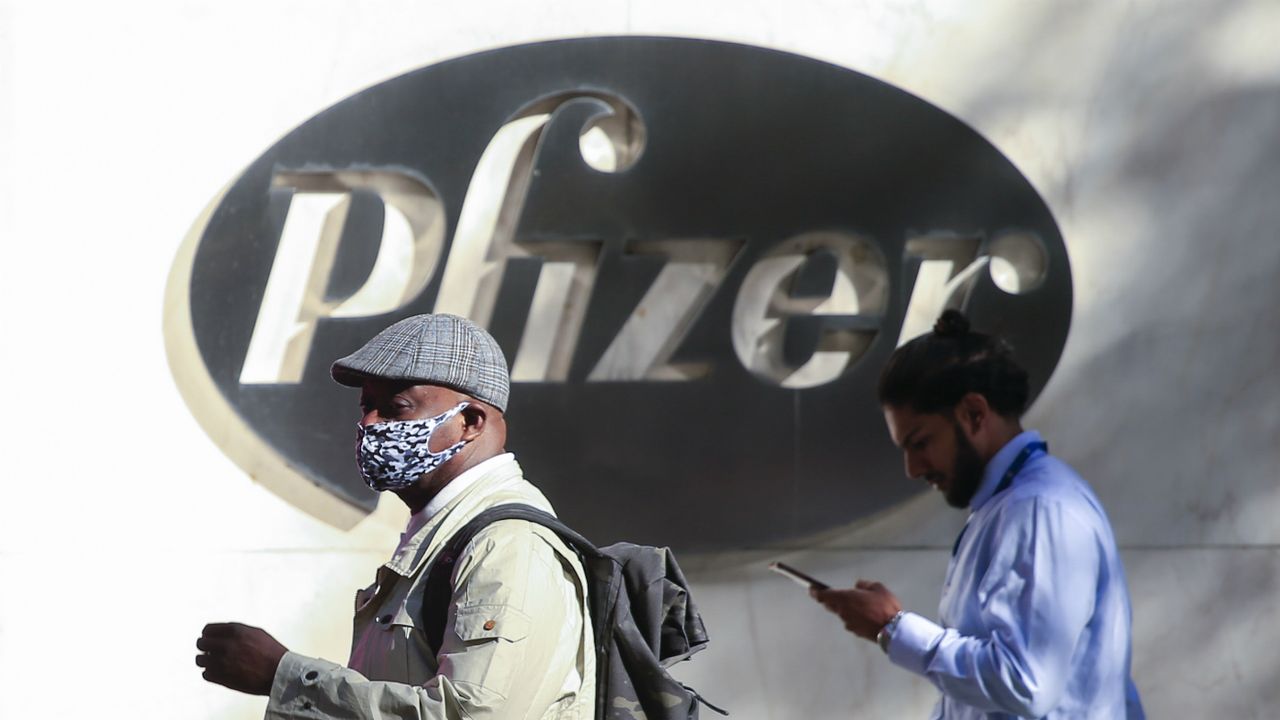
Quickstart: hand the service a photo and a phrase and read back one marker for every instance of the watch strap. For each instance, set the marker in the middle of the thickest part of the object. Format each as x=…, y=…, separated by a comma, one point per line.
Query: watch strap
x=886, y=633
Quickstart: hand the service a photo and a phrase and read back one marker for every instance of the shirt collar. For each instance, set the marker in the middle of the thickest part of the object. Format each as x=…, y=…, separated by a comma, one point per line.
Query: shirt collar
x=456, y=487
x=1000, y=463
x=423, y=525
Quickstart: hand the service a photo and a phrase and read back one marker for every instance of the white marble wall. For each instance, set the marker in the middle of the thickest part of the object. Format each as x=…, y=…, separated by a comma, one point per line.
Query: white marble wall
x=1150, y=128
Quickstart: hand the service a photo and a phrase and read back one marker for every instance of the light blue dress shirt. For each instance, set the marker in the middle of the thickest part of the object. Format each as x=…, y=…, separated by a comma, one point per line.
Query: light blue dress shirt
x=1035, y=616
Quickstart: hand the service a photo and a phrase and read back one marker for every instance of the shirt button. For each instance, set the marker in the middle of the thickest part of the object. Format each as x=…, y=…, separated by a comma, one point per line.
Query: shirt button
x=306, y=704
x=311, y=676
x=488, y=624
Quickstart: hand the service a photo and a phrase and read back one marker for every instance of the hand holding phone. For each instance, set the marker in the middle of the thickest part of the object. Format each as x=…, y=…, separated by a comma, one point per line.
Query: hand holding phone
x=798, y=577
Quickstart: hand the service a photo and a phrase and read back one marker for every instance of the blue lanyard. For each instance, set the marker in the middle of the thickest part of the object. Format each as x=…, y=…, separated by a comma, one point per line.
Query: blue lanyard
x=1006, y=481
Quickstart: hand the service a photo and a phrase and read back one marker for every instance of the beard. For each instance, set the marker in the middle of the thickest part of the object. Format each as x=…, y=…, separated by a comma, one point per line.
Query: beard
x=967, y=473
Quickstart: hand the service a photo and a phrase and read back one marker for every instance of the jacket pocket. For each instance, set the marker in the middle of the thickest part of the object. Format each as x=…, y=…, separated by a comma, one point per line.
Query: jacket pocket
x=487, y=622
x=489, y=657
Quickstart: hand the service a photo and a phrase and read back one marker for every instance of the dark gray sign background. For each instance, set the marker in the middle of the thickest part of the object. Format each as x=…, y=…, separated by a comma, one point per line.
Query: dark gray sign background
x=742, y=143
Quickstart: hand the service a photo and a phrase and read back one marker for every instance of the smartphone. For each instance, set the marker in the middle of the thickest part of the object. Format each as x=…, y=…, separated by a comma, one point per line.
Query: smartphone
x=800, y=578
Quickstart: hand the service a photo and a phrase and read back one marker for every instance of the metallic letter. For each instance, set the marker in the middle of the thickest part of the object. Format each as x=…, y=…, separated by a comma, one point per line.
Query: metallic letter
x=412, y=238
x=850, y=313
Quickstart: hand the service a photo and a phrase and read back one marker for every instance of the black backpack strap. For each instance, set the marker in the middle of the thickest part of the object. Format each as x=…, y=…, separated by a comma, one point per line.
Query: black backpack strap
x=439, y=591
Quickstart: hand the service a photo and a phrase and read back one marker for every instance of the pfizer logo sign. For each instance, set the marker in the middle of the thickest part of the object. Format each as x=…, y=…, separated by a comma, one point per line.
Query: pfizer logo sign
x=696, y=255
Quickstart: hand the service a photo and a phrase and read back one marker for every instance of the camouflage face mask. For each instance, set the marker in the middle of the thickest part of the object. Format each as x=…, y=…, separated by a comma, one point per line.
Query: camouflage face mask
x=393, y=455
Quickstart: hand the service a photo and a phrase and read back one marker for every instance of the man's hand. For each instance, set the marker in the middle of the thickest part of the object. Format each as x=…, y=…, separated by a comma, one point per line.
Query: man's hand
x=865, y=609
x=239, y=656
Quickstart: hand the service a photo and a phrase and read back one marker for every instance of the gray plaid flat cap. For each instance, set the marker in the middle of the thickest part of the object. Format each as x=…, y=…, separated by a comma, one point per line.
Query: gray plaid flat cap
x=433, y=350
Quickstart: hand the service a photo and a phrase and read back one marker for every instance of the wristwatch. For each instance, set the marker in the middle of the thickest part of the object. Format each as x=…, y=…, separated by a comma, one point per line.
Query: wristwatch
x=886, y=633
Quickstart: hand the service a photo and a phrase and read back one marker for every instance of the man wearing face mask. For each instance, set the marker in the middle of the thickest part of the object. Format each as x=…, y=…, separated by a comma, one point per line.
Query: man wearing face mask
x=1035, y=615
x=517, y=641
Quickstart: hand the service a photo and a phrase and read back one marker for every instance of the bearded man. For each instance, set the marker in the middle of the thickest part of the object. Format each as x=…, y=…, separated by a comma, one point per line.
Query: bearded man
x=1035, y=618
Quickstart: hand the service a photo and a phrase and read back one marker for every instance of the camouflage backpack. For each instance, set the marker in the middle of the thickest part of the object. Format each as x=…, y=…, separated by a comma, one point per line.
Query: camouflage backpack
x=641, y=612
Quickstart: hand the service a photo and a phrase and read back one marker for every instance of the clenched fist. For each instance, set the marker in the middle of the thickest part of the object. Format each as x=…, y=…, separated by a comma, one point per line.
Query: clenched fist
x=239, y=656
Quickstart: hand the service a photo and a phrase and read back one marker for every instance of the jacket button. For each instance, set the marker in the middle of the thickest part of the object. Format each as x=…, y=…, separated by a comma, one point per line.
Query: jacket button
x=488, y=624
x=384, y=619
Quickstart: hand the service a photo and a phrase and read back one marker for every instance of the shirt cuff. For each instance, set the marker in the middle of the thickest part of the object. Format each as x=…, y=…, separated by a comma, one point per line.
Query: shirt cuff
x=293, y=689
x=913, y=642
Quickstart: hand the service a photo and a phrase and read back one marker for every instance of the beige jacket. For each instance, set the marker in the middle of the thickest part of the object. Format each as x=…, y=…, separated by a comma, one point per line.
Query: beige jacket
x=517, y=645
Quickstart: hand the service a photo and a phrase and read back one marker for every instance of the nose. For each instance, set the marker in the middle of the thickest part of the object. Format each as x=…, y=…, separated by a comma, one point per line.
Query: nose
x=914, y=465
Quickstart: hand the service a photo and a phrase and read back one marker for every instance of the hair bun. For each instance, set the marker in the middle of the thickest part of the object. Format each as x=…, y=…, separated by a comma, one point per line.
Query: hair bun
x=952, y=323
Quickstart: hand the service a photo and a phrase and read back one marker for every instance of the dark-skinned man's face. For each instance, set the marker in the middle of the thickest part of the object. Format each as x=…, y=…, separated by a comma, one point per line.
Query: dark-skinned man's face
x=389, y=400
x=936, y=450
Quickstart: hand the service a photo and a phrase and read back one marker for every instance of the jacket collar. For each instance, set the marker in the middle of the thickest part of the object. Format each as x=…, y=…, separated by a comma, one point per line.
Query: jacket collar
x=495, y=474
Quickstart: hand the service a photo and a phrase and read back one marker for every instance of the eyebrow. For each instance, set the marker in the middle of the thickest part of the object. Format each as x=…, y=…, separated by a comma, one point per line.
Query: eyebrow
x=907, y=440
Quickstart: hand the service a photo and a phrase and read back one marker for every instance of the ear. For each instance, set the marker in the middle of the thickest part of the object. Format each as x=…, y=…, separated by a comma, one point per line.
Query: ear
x=474, y=418
x=973, y=413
